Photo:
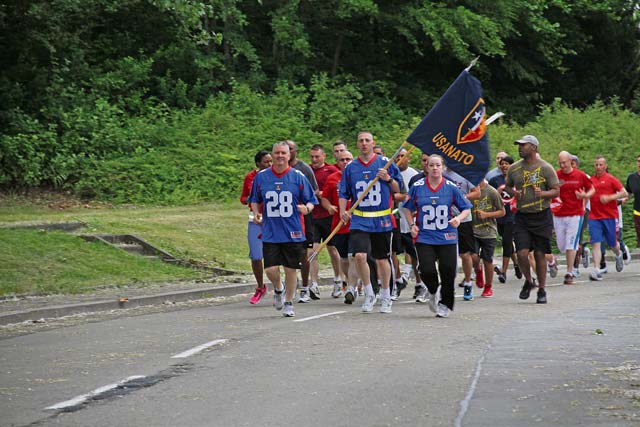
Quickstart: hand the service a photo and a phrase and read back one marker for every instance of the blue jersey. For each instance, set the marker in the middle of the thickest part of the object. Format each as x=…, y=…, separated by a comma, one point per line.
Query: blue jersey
x=373, y=214
x=433, y=207
x=280, y=195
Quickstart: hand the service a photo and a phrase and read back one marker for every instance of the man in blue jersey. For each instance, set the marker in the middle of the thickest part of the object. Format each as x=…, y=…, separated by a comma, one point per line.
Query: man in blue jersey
x=280, y=196
x=371, y=222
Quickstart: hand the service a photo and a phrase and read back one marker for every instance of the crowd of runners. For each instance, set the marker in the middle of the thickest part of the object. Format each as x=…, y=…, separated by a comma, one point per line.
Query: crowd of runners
x=415, y=225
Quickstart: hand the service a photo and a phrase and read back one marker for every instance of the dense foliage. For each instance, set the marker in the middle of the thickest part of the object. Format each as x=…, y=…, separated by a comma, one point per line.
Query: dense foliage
x=166, y=100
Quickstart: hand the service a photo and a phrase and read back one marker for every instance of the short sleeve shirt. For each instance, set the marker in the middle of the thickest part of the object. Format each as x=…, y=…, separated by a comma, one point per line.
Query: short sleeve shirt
x=606, y=184
x=526, y=177
x=489, y=201
x=570, y=183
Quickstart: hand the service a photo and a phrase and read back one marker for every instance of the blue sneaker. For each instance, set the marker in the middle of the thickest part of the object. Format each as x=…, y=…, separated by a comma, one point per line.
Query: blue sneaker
x=468, y=292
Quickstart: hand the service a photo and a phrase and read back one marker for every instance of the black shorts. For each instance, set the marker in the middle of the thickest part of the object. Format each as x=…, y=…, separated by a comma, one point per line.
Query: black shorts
x=321, y=229
x=533, y=231
x=377, y=244
x=506, y=232
x=308, y=230
x=466, y=240
x=396, y=242
x=289, y=254
x=341, y=243
x=408, y=245
x=485, y=248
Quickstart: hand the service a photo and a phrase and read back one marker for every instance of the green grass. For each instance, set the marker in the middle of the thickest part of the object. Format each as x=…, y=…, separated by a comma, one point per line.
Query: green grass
x=35, y=262
x=42, y=262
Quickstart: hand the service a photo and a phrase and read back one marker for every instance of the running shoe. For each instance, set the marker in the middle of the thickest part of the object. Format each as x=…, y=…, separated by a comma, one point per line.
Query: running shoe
x=278, y=299
x=576, y=272
x=460, y=285
x=516, y=268
x=586, y=254
x=619, y=263
x=422, y=296
x=553, y=268
x=626, y=255
x=401, y=284
x=595, y=275
x=314, y=291
x=304, y=295
x=603, y=269
x=542, y=297
x=487, y=292
x=526, y=290
x=468, y=293
x=442, y=311
x=369, y=302
x=349, y=296
x=417, y=290
x=502, y=277
x=568, y=279
x=288, y=310
x=258, y=295
x=385, y=306
x=395, y=294
x=434, y=301
x=337, y=289
x=479, y=277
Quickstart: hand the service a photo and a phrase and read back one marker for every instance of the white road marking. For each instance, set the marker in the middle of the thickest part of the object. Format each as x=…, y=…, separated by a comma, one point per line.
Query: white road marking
x=464, y=404
x=84, y=397
x=197, y=349
x=319, y=316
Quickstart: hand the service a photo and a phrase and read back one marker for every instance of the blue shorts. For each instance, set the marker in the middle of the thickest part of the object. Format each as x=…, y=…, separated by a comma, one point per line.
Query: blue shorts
x=255, y=241
x=603, y=230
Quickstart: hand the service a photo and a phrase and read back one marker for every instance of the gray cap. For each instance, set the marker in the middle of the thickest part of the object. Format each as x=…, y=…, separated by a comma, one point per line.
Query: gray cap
x=527, y=139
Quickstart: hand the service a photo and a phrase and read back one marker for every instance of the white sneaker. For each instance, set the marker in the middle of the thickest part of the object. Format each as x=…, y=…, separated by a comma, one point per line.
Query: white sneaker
x=314, y=291
x=304, y=295
x=369, y=302
x=423, y=296
x=585, y=257
x=337, y=290
x=576, y=273
x=595, y=275
x=288, y=310
x=619, y=263
x=394, y=294
x=434, y=300
x=385, y=306
x=377, y=298
x=627, y=255
x=278, y=299
x=443, y=311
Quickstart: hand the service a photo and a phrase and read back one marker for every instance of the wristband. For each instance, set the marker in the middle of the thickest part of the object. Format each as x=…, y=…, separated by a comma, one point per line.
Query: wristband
x=411, y=225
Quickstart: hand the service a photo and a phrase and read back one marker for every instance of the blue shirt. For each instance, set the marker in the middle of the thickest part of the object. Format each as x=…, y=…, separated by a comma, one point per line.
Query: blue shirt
x=373, y=214
x=434, y=210
x=280, y=195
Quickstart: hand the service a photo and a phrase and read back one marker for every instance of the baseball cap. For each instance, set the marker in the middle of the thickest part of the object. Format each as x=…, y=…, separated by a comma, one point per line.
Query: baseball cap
x=527, y=139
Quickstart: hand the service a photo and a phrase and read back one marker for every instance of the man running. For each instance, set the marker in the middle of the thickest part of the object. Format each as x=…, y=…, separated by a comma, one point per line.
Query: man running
x=533, y=182
x=371, y=222
x=286, y=195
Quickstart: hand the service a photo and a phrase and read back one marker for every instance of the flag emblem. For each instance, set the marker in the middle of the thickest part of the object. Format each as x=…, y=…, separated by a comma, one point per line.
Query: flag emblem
x=474, y=126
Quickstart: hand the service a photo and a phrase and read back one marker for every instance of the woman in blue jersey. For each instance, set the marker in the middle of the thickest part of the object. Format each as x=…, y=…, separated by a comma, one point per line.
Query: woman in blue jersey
x=435, y=227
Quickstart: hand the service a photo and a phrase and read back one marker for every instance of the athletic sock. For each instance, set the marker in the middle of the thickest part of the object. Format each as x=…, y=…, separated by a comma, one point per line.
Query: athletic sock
x=368, y=289
x=385, y=293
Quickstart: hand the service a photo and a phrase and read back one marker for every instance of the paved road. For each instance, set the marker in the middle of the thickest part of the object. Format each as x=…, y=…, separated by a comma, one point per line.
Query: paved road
x=495, y=362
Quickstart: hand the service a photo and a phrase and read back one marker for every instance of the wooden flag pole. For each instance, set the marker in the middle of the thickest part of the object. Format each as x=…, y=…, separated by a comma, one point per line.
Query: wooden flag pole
x=393, y=158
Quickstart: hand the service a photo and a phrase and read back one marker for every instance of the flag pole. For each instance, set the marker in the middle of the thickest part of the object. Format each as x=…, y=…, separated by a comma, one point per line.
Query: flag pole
x=474, y=61
x=396, y=156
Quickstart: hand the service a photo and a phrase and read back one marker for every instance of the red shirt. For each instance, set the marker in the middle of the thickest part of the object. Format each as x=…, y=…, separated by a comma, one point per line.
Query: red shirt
x=605, y=185
x=321, y=174
x=569, y=184
x=330, y=193
x=246, y=187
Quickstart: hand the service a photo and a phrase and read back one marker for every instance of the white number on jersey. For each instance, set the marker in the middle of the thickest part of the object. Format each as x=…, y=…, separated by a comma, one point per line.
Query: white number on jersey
x=373, y=197
x=435, y=217
x=279, y=204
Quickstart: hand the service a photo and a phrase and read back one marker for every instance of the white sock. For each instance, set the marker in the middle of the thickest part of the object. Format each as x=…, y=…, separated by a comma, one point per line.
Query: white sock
x=385, y=293
x=368, y=290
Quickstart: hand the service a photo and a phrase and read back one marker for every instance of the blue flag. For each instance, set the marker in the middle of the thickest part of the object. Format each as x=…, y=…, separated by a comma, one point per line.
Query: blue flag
x=456, y=129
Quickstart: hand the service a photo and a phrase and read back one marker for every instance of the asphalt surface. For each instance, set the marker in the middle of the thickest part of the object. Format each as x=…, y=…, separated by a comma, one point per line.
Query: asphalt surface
x=494, y=362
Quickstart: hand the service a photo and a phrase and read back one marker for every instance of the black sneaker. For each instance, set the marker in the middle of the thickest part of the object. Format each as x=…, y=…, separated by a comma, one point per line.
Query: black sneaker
x=502, y=277
x=349, y=297
x=518, y=272
x=461, y=284
x=401, y=284
x=542, y=297
x=526, y=290
x=417, y=292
